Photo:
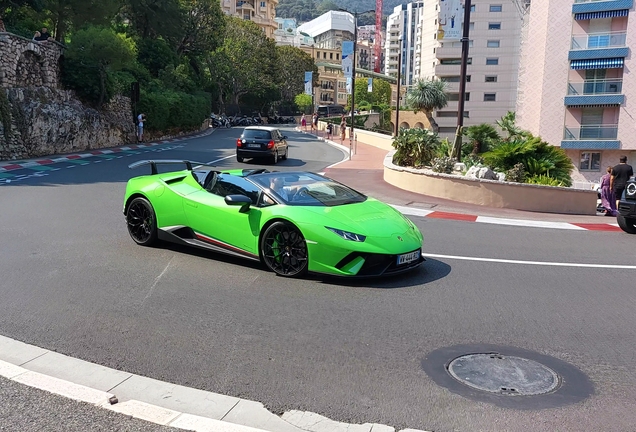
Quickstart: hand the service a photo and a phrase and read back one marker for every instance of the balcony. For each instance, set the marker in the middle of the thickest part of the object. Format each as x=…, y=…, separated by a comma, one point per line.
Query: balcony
x=244, y=5
x=595, y=92
x=591, y=137
x=586, y=6
x=599, y=46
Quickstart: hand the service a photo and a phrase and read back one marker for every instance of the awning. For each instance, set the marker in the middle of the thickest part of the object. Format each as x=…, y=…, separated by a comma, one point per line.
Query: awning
x=602, y=14
x=609, y=63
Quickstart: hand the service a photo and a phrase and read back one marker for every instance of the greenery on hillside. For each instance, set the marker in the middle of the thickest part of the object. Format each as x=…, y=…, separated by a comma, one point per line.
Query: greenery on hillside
x=189, y=57
x=306, y=10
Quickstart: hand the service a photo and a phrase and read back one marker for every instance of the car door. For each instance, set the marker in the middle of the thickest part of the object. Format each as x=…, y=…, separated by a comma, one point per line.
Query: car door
x=223, y=225
x=281, y=143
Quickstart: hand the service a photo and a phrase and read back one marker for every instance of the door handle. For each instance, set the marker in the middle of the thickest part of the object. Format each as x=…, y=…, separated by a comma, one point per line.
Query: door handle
x=192, y=204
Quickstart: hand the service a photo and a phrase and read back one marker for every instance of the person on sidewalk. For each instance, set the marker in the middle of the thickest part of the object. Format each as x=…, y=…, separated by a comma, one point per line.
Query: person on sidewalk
x=314, y=124
x=343, y=128
x=620, y=174
x=329, y=130
x=608, y=200
x=303, y=122
x=141, y=118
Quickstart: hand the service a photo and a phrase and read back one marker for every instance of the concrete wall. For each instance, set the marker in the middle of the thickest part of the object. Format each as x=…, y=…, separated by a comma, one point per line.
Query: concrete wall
x=491, y=193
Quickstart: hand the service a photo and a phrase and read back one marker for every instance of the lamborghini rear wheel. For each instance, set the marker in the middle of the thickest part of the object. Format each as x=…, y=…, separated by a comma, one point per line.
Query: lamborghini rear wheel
x=142, y=222
x=284, y=249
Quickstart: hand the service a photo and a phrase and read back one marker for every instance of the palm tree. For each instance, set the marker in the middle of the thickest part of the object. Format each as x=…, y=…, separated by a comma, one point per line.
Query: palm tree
x=428, y=95
x=482, y=136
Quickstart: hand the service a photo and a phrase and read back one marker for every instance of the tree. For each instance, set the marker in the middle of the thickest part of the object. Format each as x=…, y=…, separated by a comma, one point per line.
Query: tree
x=426, y=96
x=303, y=101
x=93, y=54
x=292, y=65
x=482, y=136
x=203, y=27
x=156, y=18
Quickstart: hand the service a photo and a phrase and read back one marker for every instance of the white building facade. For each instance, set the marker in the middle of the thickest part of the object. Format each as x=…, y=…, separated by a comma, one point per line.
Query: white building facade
x=330, y=29
x=403, y=33
x=493, y=59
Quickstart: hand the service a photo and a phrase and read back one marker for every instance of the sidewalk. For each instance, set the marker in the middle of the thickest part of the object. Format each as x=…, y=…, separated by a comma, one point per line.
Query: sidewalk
x=365, y=173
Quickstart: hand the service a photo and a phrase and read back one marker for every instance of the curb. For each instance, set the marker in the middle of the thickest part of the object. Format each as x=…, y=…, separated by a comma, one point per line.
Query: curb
x=155, y=401
x=10, y=165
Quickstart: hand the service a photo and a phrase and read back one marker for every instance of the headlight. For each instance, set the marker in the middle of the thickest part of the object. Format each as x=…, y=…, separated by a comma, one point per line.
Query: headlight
x=630, y=190
x=347, y=235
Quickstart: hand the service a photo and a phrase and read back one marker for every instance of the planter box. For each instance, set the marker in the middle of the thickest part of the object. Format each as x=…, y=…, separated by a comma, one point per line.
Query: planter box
x=491, y=193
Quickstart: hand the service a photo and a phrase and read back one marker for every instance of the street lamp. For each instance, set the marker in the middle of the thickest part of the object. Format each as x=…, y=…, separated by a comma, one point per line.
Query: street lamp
x=399, y=78
x=457, y=145
x=353, y=68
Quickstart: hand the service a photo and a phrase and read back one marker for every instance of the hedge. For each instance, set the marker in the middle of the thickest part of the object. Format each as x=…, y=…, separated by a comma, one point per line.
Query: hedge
x=169, y=109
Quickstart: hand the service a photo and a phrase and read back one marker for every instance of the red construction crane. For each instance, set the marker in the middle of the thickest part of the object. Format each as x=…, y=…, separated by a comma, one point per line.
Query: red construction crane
x=377, y=48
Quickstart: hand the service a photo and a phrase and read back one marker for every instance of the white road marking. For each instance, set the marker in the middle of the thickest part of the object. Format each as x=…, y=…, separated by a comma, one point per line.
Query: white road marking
x=412, y=211
x=528, y=223
x=219, y=160
x=69, y=167
x=538, y=263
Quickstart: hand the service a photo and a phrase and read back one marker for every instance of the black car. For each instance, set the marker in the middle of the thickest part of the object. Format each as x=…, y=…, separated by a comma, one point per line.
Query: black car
x=261, y=142
x=627, y=208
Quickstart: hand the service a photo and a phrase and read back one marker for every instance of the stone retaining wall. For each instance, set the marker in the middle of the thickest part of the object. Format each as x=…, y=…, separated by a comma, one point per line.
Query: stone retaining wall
x=28, y=63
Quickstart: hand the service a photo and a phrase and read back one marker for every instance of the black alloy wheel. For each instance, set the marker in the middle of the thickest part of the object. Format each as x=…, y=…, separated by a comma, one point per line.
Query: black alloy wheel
x=627, y=224
x=284, y=250
x=286, y=153
x=142, y=222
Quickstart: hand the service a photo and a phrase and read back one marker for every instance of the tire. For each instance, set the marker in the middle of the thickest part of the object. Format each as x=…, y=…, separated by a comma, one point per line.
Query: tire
x=142, y=222
x=286, y=153
x=284, y=250
x=239, y=158
x=627, y=224
x=275, y=158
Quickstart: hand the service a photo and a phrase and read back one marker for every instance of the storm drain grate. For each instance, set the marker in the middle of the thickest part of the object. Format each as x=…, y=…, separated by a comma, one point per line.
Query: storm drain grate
x=505, y=375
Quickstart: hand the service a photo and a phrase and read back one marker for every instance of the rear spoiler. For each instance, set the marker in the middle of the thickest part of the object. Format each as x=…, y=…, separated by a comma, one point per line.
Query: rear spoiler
x=153, y=164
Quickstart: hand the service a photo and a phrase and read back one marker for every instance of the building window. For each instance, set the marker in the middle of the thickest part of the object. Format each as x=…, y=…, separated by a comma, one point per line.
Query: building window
x=331, y=56
x=263, y=4
x=492, y=61
x=494, y=26
x=454, y=97
x=449, y=114
x=492, y=44
x=495, y=8
x=590, y=161
x=337, y=56
x=471, y=26
x=472, y=8
x=454, y=61
x=490, y=97
x=453, y=79
x=318, y=54
x=447, y=129
x=491, y=78
x=324, y=55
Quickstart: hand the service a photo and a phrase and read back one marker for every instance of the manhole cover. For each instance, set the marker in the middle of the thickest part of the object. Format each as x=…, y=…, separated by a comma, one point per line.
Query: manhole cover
x=501, y=374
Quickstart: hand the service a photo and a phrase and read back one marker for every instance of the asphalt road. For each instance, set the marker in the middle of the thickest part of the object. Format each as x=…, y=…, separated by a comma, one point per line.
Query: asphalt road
x=74, y=282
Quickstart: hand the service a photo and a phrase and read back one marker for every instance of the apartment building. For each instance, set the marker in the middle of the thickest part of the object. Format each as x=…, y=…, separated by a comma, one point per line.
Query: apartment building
x=583, y=96
x=262, y=12
x=329, y=29
x=403, y=33
x=493, y=59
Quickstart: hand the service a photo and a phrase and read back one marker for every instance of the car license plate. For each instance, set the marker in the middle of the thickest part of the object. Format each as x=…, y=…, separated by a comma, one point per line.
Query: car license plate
x=254, y=145
x=407, y=258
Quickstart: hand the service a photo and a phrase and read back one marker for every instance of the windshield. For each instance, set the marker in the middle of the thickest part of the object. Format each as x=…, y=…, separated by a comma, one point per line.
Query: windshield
x=307, y=189
x=256, y=134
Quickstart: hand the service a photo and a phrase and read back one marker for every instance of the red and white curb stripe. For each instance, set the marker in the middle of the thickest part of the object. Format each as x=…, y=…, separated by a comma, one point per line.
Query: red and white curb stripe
x=47, y=161
x=410, y=211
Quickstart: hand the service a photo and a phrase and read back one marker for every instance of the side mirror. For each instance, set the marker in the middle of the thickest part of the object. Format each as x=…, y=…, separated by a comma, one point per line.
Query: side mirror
x=239, y=200
x=284, y=137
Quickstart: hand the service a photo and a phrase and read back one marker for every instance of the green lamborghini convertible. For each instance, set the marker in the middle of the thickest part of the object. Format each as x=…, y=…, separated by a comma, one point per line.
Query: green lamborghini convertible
x=293, y=222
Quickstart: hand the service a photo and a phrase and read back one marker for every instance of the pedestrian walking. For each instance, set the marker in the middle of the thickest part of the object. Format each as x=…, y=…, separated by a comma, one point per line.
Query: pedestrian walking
x=608, y=200
x=620, y=174
x=303, y=122
x=343, y=128
x=329, y=130
x=314, y=122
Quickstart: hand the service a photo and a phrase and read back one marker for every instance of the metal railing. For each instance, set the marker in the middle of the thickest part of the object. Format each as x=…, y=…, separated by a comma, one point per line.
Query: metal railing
x=586, y=132
x=587, y=1
x=599, y=40
x=596, y=87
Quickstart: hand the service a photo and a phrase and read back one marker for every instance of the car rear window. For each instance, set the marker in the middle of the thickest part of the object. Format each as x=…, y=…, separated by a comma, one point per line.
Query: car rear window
x=256, y=134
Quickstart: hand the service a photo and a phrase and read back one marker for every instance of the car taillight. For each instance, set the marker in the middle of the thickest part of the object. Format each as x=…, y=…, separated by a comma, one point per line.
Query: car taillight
x=239, y=143
x=270, y=144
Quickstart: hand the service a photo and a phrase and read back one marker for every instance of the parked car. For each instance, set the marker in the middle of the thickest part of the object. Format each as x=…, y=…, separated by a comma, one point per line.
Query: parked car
x=627, y=208
x=261, y=142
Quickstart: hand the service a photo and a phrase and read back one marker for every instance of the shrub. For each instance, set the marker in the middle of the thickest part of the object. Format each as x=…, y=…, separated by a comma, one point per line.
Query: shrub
x=544, y=180
x=169, y=110
x=415, y=147
x=472, y=160
x=516, y=174
x=444, y=164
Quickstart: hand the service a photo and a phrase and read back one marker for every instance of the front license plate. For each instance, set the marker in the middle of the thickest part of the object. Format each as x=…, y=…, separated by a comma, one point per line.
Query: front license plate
x=254, y=145
x=407, y=258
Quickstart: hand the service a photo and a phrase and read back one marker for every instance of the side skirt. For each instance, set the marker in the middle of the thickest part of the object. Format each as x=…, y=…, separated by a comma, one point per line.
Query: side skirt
x=187, y=237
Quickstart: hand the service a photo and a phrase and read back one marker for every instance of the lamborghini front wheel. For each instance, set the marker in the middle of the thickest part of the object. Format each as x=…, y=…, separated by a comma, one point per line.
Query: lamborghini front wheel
x=142, y=222
x=284, y=249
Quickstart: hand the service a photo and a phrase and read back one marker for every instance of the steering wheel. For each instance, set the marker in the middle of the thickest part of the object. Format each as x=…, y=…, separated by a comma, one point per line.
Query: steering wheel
x=301, y=193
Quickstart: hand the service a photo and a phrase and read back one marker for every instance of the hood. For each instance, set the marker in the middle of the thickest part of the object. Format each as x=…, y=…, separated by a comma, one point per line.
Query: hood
x=367, y=217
